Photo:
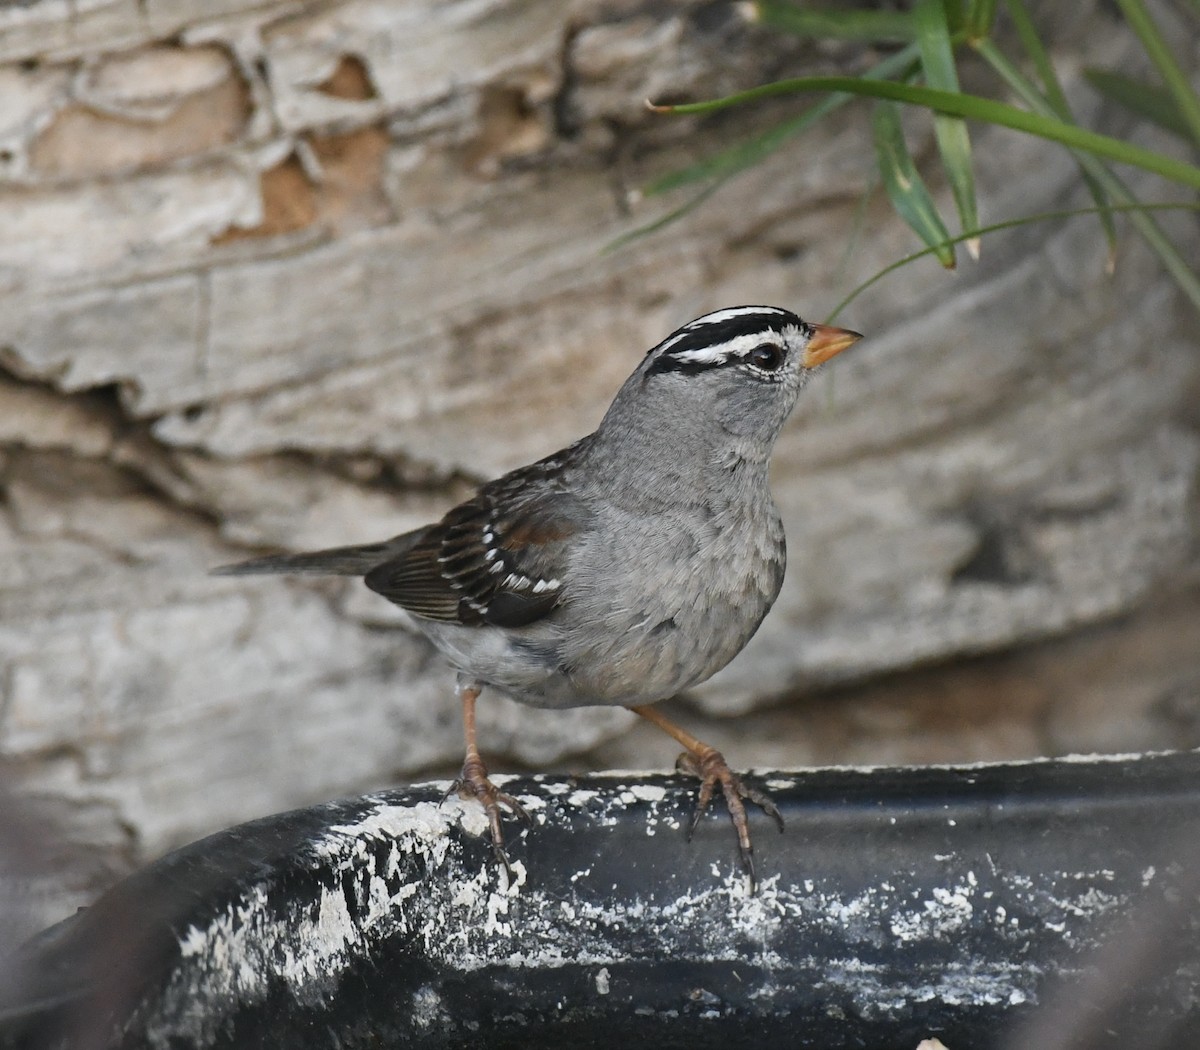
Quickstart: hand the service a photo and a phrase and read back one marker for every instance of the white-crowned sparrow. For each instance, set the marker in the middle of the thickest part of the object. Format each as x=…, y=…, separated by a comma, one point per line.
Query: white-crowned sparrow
x=630, y=566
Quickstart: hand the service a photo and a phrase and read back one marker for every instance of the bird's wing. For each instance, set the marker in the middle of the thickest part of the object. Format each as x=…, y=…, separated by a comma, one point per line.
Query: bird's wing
x=499, y=558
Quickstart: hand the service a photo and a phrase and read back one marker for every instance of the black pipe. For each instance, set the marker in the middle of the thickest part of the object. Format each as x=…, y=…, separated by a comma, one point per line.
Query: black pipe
x=984, y=905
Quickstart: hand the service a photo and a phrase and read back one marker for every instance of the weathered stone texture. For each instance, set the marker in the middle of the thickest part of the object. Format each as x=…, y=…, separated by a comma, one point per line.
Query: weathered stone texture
x=153, y=106
x=282, y=274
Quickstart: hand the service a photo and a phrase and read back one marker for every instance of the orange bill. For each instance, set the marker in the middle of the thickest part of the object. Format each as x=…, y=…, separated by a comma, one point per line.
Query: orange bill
x=827, y=342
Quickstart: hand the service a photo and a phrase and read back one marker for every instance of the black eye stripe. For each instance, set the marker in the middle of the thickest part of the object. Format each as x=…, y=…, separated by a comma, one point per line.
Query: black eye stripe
x=766, y=356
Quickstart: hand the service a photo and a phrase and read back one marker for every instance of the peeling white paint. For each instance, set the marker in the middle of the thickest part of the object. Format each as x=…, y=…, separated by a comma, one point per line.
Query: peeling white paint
x=644, y=793
x=582, y=798
x=467, y=917
x=427, y=1007
x=242, y=949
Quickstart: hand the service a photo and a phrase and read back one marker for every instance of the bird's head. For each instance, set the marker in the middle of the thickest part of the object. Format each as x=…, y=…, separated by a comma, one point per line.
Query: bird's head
x=735, y=371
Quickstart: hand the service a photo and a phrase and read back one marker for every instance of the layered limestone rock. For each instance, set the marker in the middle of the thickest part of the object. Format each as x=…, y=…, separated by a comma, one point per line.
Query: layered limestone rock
x=283, y=275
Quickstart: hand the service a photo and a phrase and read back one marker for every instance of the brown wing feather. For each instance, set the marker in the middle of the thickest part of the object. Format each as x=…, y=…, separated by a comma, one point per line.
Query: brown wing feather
x=414, y=581
x=496, y=559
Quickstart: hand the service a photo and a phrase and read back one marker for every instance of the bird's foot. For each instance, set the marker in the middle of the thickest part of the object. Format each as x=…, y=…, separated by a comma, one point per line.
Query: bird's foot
x=710, y=766
x=473, y=782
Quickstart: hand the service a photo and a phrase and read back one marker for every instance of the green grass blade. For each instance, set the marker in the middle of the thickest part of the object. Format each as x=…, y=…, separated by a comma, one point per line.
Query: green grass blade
x=1175, y=79
x=973, y=108
x=742, y=155
x=955, y=13
x=871, y=27
x=1032, y=42
x=905, y=187
x=721, y=168
x=1104, y=213
x=1154, y=103
x=1008, y=224
x=663, y=220
x=858, y=226
x=981, y=16
x=1114, y=188
x=954, y=142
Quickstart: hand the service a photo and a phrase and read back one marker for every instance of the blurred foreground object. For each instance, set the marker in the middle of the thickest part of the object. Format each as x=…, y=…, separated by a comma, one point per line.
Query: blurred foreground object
x=970, y=904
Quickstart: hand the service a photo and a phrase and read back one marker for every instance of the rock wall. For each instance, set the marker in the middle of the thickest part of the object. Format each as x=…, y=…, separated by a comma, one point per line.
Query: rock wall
x=281, y=274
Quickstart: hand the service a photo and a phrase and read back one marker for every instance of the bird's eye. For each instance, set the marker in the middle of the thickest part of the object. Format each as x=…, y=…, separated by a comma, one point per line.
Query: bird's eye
x=766, y=357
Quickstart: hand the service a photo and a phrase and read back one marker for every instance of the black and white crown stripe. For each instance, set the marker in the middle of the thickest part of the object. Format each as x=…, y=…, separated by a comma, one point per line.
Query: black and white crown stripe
x=720, y=337
x=770, y=316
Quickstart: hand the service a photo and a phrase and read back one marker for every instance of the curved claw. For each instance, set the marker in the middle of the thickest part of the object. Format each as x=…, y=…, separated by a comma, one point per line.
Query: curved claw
x=473, y=782
x=710, y=766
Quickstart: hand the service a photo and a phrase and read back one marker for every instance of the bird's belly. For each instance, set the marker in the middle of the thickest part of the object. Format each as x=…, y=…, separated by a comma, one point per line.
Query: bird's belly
x=655, y=642
x=524, y=664
x=624, y=644
x=649, y=662
x=640, y=664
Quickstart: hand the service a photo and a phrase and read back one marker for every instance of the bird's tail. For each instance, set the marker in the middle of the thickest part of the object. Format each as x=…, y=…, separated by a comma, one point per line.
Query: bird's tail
x=336, y=561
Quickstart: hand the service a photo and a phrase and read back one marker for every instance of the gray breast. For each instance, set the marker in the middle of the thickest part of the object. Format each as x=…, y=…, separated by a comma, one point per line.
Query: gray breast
x=682, y=598
x=655, y=603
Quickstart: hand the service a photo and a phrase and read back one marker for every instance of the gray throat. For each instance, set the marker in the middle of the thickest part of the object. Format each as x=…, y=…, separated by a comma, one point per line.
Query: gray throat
x=668, y=460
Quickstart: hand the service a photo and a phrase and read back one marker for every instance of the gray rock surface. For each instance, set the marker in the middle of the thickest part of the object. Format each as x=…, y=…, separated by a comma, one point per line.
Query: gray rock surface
x=284, y=275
